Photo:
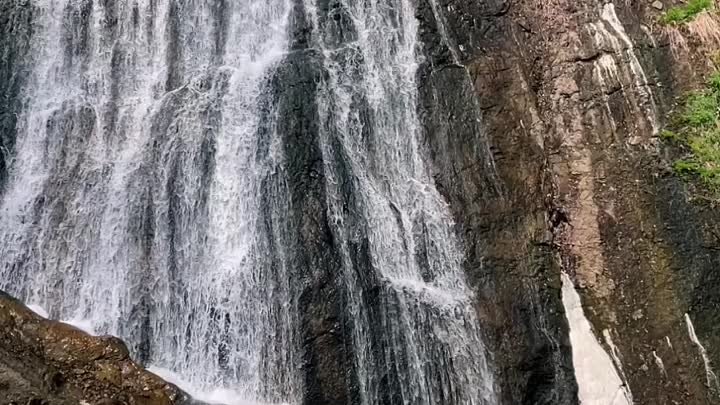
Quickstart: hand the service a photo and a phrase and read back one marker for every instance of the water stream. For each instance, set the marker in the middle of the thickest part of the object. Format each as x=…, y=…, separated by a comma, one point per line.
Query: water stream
x=133, y=205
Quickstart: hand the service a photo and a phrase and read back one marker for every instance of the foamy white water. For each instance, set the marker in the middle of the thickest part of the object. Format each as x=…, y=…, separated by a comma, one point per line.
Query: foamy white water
x=132, y=206
x=135, y=207
x=84, y=325
x=222, y=396
x=38, y=310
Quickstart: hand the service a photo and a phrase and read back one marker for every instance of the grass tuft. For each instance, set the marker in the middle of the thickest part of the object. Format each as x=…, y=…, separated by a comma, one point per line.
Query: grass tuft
x=700, y=109
x=697, y=129
x=714, y=82
x=670, y=135
x=681, y=14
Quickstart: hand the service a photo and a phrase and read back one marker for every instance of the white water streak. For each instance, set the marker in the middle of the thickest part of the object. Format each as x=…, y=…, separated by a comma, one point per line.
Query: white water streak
x=598, y=380
x=659, y=363
x=609, y=35
x=427, y=332
x=712, y=379
x=132, y=207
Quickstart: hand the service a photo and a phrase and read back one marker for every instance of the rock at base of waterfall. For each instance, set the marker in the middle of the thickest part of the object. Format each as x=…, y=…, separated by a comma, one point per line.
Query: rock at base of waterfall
x=49, y=362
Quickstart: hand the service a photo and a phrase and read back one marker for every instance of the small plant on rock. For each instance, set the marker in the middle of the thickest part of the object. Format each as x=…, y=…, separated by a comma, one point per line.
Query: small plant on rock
x=697, y=129
x=685, y=13
x=701, y=109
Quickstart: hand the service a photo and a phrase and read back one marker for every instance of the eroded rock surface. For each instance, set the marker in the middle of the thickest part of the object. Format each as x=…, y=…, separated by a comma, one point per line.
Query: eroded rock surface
x=49, y=362
x=571, y=97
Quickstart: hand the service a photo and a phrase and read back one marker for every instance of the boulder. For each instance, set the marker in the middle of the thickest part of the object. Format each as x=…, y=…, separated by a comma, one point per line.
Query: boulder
x=48, y=362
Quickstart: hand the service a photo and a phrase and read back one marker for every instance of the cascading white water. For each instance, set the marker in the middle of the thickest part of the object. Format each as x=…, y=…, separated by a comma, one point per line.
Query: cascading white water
x=371, y=140
x=134, y=201
x=133, y=197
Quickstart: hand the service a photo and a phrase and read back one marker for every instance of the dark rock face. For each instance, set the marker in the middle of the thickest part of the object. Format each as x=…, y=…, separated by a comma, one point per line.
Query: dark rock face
x=493, y=173
x=297, y=221
x=48, y=362
x=582, y=186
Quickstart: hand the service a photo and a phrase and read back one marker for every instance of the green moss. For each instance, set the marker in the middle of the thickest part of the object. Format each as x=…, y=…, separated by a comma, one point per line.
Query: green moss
x=697, y=129
x=685, y=167
x=706, y=148
x=701, y=109
x=685, y=13
x=714, y=82
x=670, y=135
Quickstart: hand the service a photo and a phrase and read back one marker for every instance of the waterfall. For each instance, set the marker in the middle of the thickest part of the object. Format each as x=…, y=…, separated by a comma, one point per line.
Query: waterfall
x=132, y=199
x=135, y=198
x=416, y=327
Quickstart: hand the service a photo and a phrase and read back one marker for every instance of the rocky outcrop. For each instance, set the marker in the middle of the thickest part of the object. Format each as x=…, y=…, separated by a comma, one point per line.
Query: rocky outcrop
x=46, y=362
x=570, y=98
x=486, y=140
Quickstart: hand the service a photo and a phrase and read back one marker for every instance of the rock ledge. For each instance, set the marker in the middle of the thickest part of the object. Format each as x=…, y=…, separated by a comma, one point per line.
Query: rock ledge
x=45, y=362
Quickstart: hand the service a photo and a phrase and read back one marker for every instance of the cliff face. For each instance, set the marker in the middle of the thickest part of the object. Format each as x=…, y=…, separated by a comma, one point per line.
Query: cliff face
x=571, y=97
x=541, y=121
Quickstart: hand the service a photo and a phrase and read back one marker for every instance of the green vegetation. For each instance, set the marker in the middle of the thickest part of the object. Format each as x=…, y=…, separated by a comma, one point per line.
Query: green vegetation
x=700, y=109
x=670, y=135
x=698, y=130
x=685, y=13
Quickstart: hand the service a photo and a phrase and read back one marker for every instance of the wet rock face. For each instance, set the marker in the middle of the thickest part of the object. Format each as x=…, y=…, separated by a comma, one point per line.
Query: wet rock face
x=15, y=34
x=298, y=220
x=487, y=147
x=48, y=362
x=570, y=96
